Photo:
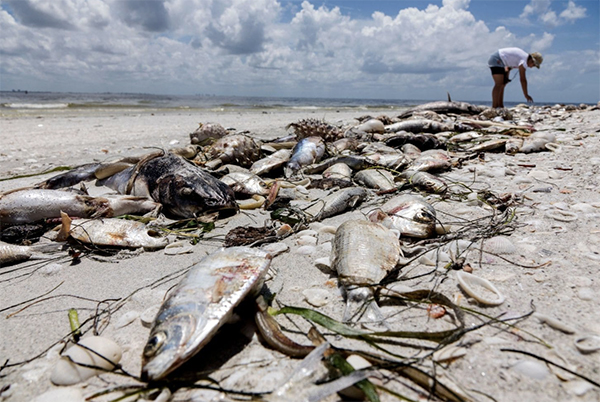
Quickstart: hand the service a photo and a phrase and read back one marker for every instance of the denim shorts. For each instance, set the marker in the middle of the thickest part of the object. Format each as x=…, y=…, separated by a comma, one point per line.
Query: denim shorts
x=495, y=61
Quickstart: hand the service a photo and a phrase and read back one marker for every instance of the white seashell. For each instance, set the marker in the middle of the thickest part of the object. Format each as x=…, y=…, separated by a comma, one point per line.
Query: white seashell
x=127, y=319
x=499, y=245
x=306, y=241
x=325, y=247
x=62, y=395
x=274, y=249
x=179, y=247
x=579, y=387
x=450, y=352
x=532, y=369
x=316, y=297
x=147, y=317
x=479, y=289
x=306, y=250
x=554, y=323
x=588, y=343
x=562, y=216
x=68, y=372
x=328, y=229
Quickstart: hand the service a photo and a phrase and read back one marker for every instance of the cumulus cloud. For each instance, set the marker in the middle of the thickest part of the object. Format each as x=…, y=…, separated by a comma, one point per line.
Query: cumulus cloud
x=244, y=47
x=541, y=9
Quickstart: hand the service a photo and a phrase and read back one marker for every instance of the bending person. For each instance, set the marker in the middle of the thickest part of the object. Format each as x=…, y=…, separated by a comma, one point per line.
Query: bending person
x=502, y=62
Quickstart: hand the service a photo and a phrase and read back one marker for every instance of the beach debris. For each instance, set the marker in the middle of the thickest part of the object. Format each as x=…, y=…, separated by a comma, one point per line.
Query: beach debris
x=336, y=203
x=199, y=305
x=93, y=355
x=239, y=149
x=32, y=205
x=411, y=215
x=479, y=289
x=309, y=150
x=588, y=343
x=207, y=133
x=305, y=128
x=363, y=254
x=183, y=189
x=12, y=253
x=271, y=163
x=445, y=107
x=111, y=232
x=245, y=183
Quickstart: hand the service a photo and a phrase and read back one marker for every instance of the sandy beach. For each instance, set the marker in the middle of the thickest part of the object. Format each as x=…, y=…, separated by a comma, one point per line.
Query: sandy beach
x=549, y=281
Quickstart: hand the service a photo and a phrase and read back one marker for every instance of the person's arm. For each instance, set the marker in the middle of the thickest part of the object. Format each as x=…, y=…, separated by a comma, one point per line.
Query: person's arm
x=524, y=83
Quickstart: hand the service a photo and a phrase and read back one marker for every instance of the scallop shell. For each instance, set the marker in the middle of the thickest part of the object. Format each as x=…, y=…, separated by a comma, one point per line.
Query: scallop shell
x=479, y=289
x=499, y=245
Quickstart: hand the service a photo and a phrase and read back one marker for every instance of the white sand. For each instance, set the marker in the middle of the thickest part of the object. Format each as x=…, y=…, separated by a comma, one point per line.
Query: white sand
x=566, y=288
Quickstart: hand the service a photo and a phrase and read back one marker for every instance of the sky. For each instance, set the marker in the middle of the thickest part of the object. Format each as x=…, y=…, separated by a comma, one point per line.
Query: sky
x=410, y=50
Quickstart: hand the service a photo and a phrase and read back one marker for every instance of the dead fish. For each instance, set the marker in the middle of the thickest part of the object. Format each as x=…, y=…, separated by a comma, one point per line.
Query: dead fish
x=513, y=145
x=430, y=160
x=112, y=232
x=537, y=142
x=343, y=144
x=199, y=305
x=411, y=215
x=31, y=205
x=184, y=189
x=363, y=254
x=384, y=156
x=425, y=181
x=423, y=141
x=489, y=145
x=411, y=151
x=308, y=151
x=338, y=171
x=421, y=126
x=246, y=183
x=379, y=179
x=355, y=162
x=445, y=107
x=72, y=177
x=234, y=148
x=12, y=253
x=272, y=162
x=336, y=203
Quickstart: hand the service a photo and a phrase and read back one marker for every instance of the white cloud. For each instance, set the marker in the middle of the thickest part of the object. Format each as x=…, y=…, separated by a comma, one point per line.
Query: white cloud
x=243, y=47
x=541, y=9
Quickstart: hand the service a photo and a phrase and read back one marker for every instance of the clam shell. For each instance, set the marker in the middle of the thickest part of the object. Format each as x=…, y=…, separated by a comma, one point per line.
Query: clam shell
x=499, y=245
x=479, y=289
x=588, y=343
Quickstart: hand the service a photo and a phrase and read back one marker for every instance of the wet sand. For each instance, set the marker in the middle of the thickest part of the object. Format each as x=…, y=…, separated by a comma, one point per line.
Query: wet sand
x=553, y=271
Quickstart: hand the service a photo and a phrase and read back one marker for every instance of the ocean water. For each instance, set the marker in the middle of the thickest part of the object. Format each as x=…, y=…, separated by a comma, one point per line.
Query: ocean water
x=21, y=100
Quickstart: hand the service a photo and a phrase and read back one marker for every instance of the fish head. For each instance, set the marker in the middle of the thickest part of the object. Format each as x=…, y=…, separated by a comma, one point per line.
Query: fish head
x=168, y=345
x=189, y=197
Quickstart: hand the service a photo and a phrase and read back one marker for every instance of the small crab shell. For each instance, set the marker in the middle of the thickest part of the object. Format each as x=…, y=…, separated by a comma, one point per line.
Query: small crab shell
x=499, y=245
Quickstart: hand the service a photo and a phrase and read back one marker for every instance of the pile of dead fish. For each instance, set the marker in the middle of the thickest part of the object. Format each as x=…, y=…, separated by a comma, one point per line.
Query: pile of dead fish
x=393, y=162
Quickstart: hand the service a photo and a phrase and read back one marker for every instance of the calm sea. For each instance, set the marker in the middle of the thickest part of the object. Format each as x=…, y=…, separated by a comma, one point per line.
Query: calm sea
x=17, y=100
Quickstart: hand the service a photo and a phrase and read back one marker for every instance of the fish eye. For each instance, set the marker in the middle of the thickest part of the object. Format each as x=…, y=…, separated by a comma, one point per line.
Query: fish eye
x=154, y=344
x=186, y=191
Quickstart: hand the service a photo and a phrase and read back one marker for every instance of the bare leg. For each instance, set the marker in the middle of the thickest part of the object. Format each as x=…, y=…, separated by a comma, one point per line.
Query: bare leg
x=498, y=91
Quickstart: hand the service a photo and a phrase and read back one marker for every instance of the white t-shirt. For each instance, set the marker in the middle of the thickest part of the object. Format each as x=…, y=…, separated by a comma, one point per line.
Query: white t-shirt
x=513, y=57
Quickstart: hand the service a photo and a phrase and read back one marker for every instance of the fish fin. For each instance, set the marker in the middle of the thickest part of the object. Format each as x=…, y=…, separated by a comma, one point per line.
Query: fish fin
x=449, y=99
x=65, y=227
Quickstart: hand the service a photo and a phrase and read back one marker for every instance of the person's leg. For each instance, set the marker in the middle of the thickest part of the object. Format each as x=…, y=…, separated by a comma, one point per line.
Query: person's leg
x=498, y=91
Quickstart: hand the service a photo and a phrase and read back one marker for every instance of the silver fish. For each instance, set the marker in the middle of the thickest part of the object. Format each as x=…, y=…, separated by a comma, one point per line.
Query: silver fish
x=308, y=151
x=12, y=253
x=246, y=183
x=114, y=232
x=363, y=254
x=379, y=179
x=411, y=215
x=445, y=107
x=271, y=162
x=184, y=189
x=338, y=171
x=421, y=126
x=31, y=205
x=425, y=181
x=199, y=305
x=430, y=160
x=336, y=203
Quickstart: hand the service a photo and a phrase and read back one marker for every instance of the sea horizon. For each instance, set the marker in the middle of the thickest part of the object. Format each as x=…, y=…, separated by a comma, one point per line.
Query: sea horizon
x=27, y=100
